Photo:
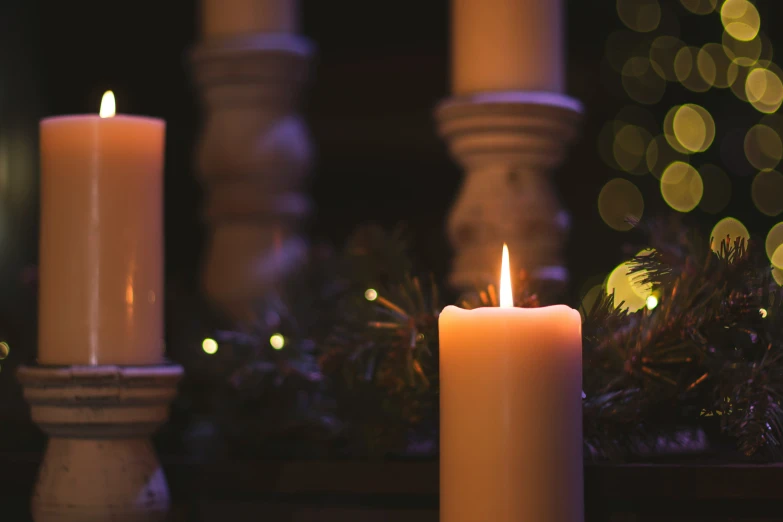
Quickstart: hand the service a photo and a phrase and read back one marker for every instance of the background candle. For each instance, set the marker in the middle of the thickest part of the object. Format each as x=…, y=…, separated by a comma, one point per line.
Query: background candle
x=505, y=45
x=511, y=414
x=101, y=245
x=222, y=18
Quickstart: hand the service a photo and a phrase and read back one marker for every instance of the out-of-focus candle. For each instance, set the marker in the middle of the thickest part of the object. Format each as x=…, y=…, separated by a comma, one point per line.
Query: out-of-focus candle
x=101, y=244
x=511, y=413
x=506, y=45
x=224, y=18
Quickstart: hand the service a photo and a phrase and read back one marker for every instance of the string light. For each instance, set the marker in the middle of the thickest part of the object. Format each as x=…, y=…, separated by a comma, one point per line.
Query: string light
x=210, y=346
x=277, y=341
x=371, y=294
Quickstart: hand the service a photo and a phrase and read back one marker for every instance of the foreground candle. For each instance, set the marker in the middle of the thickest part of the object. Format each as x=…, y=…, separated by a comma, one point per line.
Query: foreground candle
x=504, y=45
x=511, y=413
x=101, y=244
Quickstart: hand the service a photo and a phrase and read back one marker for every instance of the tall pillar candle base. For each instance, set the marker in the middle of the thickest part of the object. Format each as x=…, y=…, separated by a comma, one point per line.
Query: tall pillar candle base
x=508, y=143
x=99, y=463
x=253, y=158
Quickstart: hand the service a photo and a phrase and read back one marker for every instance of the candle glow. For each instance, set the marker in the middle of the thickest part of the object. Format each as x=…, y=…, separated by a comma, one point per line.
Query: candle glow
x=108, y=105
x=506, y=297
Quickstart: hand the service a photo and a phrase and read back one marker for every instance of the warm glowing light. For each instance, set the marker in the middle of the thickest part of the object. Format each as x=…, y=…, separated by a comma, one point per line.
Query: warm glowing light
x=651, y=302
x=728, y=228
x=767, y=192
x=740, y=19
x=627, y=294
x=620, y=201
x=277, y=341
x=663, y=51
x=210, y=346
x=681, y=187
x=774, y=240
x=763, y=147
x=764, y=90
x=641, y=82
x=693, y=127
x=687, y=71
x=108, y=107
x=660, y=155
x=641, y=16
x=371, y=294
x=715, y=66
x=668, y=132
x=700, y=7
x=4, y=350
x=717, y=189
x=630, y=147
x=763, y=312
x=506, y=298
x=777, y=275
x=741, y=53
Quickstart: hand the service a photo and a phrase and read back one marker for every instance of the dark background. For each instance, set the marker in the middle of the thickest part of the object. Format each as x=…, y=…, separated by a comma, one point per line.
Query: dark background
x=381, y=67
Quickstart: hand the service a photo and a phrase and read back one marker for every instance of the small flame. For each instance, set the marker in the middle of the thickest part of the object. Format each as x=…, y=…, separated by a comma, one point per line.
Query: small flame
x=506, y=299
x=108, y=106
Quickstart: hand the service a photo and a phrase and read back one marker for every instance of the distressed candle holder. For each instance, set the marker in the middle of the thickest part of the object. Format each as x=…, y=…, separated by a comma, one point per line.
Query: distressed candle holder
x=508, y=144
x=100, y=464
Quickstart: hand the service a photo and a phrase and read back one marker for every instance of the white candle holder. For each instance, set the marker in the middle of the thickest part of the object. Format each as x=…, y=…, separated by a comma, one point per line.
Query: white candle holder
x=508, y=143
x=253, y=159
x=100, y=464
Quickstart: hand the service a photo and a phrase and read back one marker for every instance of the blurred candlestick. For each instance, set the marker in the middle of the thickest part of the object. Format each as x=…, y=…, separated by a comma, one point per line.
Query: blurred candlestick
x=507, y=45
x=225, y=18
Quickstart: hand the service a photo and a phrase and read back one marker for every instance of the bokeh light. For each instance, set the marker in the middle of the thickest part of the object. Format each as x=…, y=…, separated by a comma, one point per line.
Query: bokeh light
x=641, y=82
x=652, y=302
x=742, y=53
x=767, y=192
x=763, y=147
x=764, y=89
x=715, y=66
x=5, y=349
x=210, y=346
x=740, y=19
x=717, y=189
x=660, y=155
x=663, y=50
x=777, y=275
x=701, y=7
x=668, y=131
x=619, y=201
x=774, y=240
x=641, y=16
x=693, y=127
x=681, y=187
x=628, y=294
x=729, y=229
x=687, y=71
x=371, y=294
x=630, y=148
x=777, y=258
x=277, y=341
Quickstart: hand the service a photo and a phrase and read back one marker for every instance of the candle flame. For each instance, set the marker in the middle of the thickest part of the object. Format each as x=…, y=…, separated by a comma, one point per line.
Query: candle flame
x=506, y=299
x=108, y=107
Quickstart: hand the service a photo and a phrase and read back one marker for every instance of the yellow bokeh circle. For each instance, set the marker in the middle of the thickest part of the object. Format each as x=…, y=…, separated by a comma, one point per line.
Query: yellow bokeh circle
x=641, y=16
x=727, y=229
x=774, y=240
x=715, y=66
x=620, y=201
x=764, y=89
x=693, y=127
x=767, y=192
x=740, y=19
x=681, y=186
x=628, y=294
x=630, y=147
x=763, y=147
x=700, y=7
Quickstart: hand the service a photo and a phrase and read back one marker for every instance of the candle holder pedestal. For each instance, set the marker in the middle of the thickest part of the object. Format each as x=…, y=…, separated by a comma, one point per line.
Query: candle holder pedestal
x=253, y=159
x=508, y=143
x=100, y=464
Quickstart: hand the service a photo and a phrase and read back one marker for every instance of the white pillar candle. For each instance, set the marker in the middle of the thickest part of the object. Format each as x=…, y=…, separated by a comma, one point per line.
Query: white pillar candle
x=225, y=18
x=511, y=413
x=506, y=45
x=101, y=246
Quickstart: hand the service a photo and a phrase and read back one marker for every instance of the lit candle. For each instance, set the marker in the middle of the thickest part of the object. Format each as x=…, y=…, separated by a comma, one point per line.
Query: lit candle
x=225, y=18
x=101, y=245
x=507, y=45
x=511, y=412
